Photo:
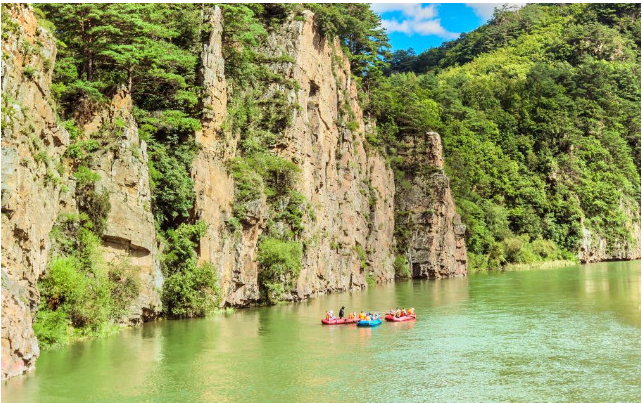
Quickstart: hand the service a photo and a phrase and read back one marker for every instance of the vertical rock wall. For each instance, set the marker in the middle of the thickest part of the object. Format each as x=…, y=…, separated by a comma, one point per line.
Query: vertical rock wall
x=351, y=192
x=129, y=240
x=436, y=246
x=32, y=146
x=36, y=187
x=232, y=254
x=350, y=188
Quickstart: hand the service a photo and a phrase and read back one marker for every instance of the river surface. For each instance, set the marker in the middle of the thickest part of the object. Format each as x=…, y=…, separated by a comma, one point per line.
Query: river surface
x=562, y=335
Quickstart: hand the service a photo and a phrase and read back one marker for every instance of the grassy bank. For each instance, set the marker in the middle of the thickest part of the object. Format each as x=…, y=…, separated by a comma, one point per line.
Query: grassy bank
x=542, y=265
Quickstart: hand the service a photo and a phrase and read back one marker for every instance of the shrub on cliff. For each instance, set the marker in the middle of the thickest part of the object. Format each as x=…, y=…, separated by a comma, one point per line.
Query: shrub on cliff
x=402, y=268
x=51, y=327
x=191, y=292
x=190, y=289
x=179, y=253
x=80, y=294
x=261, y=173
x=78, y=300
x=280, y=265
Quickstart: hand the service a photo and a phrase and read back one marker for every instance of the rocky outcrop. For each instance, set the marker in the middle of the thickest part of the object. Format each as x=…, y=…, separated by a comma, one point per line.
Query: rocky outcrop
x=350, y=188
x=32, y=146
x=232, y=254
x=434, y=236
x=36, y=187
x=129, y=240
x=595, y=248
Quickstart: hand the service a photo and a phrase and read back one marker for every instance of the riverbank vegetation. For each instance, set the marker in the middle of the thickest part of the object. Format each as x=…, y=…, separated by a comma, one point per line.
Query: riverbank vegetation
x=80, y=288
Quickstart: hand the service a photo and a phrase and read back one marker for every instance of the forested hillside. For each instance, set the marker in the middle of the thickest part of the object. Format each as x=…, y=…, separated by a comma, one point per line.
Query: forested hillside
x=539, y=111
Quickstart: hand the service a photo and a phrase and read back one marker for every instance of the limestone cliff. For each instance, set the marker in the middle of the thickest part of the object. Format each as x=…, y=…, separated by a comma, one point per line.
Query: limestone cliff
x=130, y=236
x=213, y=184
x=32, y=146
x=429, y=227
x=37, y=187
x=350, y=188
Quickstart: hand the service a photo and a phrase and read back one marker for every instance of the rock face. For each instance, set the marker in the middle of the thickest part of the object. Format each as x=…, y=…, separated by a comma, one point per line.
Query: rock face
x=32, y=145
x=350, y=190
x=130, y=237
x=36, y=188
x=349, y=187
x=597, y=249
x=435, y=244
x=232, y=254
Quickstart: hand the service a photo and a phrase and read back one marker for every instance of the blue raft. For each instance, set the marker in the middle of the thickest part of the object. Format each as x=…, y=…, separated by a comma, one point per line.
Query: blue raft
x=370, y=323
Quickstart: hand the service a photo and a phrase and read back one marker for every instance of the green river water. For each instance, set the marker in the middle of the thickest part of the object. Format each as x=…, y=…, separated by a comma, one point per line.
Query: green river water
x=564, y=335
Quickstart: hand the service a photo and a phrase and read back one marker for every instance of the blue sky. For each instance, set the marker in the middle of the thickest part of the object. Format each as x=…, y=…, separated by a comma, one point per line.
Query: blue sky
x=423, y=26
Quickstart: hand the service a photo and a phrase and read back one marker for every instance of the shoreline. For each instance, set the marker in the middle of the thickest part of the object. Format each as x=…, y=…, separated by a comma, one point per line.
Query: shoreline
x=542, y=265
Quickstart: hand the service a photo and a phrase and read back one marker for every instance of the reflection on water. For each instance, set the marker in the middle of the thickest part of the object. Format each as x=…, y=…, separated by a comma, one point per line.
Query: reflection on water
x=570, y=334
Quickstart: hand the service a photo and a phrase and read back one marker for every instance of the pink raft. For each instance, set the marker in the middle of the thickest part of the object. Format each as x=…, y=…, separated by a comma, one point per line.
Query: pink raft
x=392, y=318
x=343, y=321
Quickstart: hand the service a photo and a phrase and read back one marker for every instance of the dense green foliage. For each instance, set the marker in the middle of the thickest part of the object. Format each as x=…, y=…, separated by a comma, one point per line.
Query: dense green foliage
x=402, y=268
x=539, y=113
x=81, y=294
x=280, y=265
x=190, y=289
x=152, y=50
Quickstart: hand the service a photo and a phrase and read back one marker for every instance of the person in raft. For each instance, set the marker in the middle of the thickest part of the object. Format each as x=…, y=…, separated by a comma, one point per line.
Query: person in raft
x=341, y=314
x=362, y=316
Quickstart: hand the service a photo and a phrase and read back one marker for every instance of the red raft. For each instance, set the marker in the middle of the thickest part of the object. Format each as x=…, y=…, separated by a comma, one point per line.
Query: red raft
x=392, y=318
x=343, y=321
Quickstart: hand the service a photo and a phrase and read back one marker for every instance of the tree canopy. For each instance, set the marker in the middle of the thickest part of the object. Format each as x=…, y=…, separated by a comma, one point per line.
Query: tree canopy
x=539, y=112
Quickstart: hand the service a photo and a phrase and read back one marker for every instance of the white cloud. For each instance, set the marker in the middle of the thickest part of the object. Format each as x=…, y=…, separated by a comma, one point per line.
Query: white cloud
x=485, y=10
x=417, y=19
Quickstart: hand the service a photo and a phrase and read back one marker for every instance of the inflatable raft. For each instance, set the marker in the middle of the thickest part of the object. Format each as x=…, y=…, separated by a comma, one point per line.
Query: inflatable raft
x=371, y=323
x=392, y=318
x=337, y=321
